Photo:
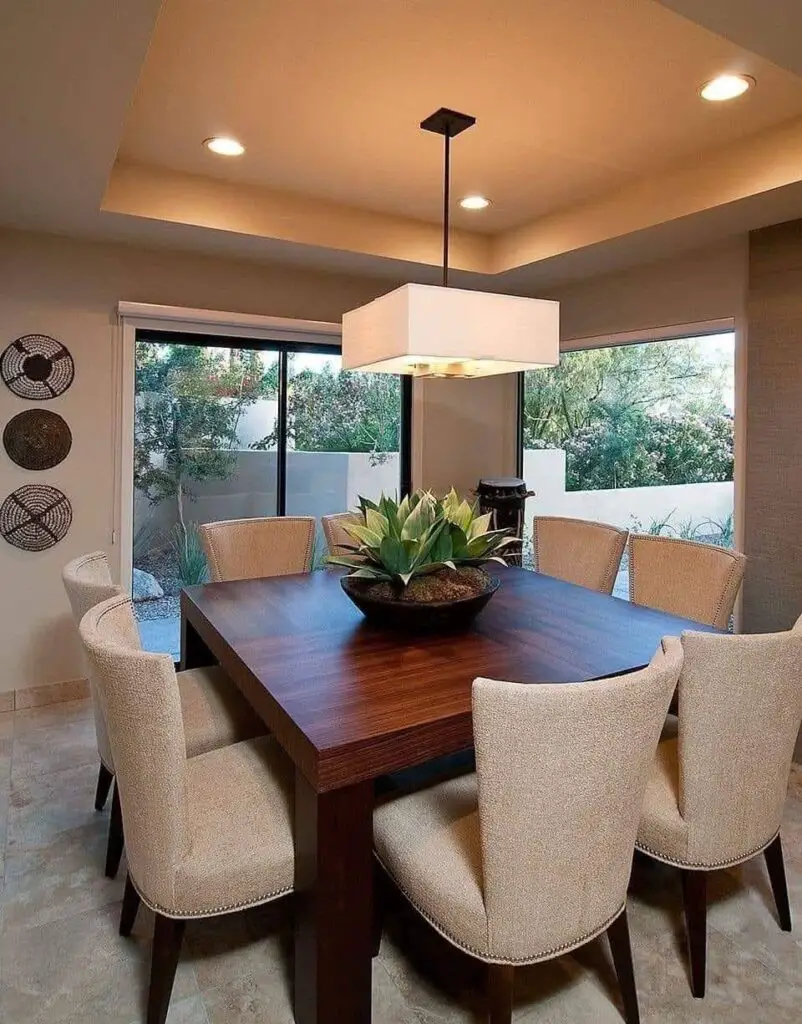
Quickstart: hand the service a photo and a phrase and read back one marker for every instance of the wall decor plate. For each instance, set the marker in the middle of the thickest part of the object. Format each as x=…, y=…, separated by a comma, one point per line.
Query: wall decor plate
x=35, y=517
x=37, y=367
x=37, y=439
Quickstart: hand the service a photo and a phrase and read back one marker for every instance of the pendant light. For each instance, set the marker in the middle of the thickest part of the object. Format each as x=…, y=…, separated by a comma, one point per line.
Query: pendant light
x=438, y=331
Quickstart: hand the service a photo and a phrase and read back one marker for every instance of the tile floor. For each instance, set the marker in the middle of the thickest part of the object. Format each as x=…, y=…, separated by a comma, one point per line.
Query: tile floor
x=62, y=962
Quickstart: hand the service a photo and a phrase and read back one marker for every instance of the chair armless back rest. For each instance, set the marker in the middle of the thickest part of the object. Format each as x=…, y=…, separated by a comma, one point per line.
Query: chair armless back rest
x=682, y=577
x=579, y=551
x=247, y=549
x=562, y=771
x=87, y=581
x=740, y=708
x=338, y=542
x=141, y=704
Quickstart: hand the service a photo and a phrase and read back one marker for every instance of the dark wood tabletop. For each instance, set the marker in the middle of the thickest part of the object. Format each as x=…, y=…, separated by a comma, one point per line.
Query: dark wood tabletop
x=350, y=702
x=353, y=702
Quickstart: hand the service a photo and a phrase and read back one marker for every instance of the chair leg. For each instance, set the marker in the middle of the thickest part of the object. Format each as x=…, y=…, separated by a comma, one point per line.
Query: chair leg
x=621, y=949
x=381, y=885
x=167, y=939
x=500, y=978
x=104, y=781
x=694, y=896
x=131, y=903
x=776, y=866
x=114, y=848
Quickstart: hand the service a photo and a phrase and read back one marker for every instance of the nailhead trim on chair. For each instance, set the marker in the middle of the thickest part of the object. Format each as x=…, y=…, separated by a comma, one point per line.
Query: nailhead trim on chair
x=548, y=954
x=715, y=866
x=215, y=911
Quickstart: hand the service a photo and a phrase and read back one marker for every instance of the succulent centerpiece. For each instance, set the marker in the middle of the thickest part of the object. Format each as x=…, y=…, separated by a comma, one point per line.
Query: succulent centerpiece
x=416, y=564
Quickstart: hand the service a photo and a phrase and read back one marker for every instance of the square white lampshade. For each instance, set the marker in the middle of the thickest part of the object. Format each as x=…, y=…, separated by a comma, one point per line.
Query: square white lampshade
x=429, y=331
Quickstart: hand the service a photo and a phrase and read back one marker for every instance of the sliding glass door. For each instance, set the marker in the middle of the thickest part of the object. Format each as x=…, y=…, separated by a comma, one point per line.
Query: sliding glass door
x=225, y=431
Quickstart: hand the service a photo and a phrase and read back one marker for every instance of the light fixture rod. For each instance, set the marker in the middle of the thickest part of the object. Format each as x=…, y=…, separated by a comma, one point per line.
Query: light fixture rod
x=446, y=204
x=447, y=123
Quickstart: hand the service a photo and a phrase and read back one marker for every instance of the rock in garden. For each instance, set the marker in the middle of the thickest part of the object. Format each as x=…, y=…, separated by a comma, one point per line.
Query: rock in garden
x=146, y=587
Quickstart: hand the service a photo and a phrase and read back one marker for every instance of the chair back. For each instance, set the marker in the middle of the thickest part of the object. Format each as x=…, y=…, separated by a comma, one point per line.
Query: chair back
x=87, y=581
x=141, y=704
x=338, y=541
x=683, y=577
x=562, y=771
x=740, y=709
x=247, y=549
x=579, y=551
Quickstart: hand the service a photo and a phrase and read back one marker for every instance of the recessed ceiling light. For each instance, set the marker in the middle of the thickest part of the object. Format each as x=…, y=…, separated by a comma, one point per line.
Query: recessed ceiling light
x=474, y=203
x=224, y=146
x=726, y=87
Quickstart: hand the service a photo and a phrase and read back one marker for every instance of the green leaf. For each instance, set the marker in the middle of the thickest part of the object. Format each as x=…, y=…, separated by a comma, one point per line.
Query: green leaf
x=376, y=522
x=393, y=556
x=368, y=574
x=362, y=533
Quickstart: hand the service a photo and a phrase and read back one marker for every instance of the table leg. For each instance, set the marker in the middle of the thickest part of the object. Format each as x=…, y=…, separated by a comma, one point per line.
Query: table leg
x=334, y=891
x=194, y=652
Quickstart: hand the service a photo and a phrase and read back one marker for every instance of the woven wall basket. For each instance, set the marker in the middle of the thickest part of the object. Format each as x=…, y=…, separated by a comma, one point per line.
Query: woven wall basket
x=37, y=439
x=37, y=367
x=35, y=517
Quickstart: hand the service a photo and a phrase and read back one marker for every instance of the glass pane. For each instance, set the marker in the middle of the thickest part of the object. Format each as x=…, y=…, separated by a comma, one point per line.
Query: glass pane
x=204, y=449
x=343, y=431
x=640, y=436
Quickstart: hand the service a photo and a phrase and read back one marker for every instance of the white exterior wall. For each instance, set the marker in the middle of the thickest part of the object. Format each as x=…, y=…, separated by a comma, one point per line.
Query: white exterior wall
x=544, y=472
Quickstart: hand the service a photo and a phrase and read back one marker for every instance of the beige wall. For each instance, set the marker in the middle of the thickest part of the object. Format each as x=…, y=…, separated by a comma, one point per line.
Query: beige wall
x=70, y=289
x=706, y=284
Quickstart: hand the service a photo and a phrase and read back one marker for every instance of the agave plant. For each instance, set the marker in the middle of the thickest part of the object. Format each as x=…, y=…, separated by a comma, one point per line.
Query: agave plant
x=396, y=541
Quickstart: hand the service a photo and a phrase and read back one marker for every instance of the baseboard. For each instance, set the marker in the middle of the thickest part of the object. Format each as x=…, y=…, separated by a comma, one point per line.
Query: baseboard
x=29, y=697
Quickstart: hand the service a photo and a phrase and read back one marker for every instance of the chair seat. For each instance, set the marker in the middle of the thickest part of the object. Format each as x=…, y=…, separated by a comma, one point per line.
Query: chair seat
x=214, y=711
x=430, y=845
x=662, y=831
x=239, y=809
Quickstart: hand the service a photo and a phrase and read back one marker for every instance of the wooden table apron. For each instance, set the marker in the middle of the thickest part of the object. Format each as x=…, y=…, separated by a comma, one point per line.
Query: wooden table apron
x=349, y=703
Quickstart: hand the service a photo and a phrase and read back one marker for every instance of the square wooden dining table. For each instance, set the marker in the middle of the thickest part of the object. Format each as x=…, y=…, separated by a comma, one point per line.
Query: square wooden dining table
x=350, y=702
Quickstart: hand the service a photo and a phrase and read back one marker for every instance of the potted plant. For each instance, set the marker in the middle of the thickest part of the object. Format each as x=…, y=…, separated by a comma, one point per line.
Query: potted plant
x=415, y=564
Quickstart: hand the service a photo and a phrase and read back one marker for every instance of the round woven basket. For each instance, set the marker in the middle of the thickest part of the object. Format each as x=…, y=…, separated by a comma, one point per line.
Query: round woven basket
x=35, y=517
x=37, y=439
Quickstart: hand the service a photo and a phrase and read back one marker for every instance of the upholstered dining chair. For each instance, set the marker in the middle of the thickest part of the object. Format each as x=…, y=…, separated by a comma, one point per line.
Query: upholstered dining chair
x=716, y=793
x=579, y=551
x=213, y=712
x=247, y=549
x=530, y=857
x=683, y=577
x=338, y=541
x=205, y=835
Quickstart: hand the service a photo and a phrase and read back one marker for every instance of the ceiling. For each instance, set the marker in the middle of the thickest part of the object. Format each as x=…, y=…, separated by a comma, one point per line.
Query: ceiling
x=590, y=139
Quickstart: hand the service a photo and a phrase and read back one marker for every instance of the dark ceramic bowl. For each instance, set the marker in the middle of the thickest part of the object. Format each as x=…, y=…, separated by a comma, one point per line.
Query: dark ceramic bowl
x=418, y=616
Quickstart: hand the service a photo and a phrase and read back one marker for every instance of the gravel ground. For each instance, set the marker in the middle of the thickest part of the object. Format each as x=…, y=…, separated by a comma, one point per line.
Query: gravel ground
x=162, y=565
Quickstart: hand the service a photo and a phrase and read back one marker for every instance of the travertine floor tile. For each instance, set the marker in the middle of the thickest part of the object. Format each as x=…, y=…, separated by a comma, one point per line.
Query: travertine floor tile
x=79, y=969
x=65, y=877
x=41, y=807
x=50, y=739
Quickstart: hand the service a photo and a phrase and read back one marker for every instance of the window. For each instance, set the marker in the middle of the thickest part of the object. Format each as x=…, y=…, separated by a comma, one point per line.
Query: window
x=224, y=431
x=640, y=436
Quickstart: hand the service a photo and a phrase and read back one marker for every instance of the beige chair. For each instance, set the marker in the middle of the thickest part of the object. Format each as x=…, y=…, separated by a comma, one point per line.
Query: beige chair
x=696, y=581
x=579, y=551
x=338, y=542
x=530, y=857
x=716, y=794
x=205, y=835
x=214, y=714
x=247, y=549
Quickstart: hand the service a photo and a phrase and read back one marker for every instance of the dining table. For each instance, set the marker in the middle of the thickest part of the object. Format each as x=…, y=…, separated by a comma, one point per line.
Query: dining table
x=351, y=703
